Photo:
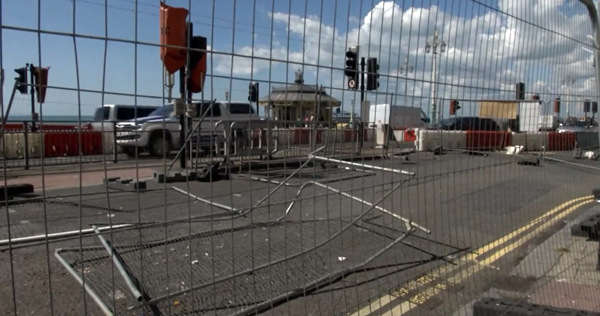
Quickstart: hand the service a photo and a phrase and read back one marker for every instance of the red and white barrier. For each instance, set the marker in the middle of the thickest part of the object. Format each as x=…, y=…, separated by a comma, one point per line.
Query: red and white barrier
x=530, y=141
x=405, y=135
x=303, y=136
x=62, y=144
x=66, y=143
x=427, y=140
x=482, y=140
x=15, y=145
x=561, y=141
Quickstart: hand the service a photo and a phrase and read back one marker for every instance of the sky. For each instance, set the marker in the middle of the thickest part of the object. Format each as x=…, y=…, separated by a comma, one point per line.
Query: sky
x=490, y=45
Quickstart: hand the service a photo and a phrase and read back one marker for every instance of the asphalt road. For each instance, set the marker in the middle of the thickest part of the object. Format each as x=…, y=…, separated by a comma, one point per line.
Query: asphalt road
x=53, y=165
x=225, y=264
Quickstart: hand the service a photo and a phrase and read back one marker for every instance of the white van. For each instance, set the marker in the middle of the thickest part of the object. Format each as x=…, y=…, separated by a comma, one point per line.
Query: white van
x=113, y=113
x=158, y=134
x=398, y=117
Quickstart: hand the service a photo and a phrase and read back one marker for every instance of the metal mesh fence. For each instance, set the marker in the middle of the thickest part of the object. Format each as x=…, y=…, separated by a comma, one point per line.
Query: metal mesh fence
x=301, y=157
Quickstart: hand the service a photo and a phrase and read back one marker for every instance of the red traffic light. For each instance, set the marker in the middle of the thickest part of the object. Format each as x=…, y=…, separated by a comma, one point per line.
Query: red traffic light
x=173, y=32
x=40, y=76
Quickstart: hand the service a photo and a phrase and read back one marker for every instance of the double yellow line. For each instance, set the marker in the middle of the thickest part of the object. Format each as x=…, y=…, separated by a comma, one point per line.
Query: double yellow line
x=468, y=264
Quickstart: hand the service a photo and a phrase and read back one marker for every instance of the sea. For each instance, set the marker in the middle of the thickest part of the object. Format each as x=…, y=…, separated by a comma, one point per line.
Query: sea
x=52, y=118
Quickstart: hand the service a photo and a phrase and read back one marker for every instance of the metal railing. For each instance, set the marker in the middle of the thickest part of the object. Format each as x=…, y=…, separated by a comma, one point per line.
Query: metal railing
x=62, y=145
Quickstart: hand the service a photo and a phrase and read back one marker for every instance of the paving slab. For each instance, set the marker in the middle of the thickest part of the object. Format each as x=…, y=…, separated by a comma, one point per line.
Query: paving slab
x=568, y=295
x=563, y=257
x=562, y=270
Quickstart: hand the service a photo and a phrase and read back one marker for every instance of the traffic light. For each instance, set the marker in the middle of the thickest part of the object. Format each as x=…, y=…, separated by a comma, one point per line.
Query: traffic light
x=173, y=32
x=586, y=106
x=22, y=80
x=557, y=105
x=40, y=76
x=594, y=107
x=520, y=91
x=351, y=70
x=253, y=92
x=372, y=74
x=454, y=106
x=197, y=64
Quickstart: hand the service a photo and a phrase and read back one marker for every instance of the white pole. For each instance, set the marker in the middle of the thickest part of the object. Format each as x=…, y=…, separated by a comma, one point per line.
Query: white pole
x=433, y=86
x=352, y=113
x=4, y=242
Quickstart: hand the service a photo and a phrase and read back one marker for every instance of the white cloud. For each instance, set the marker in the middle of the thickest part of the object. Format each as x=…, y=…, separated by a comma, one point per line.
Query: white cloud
x=533, y=41
x=251, y=61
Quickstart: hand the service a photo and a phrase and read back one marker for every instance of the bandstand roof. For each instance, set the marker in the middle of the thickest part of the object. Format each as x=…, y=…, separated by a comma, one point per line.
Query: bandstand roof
x=298, y=93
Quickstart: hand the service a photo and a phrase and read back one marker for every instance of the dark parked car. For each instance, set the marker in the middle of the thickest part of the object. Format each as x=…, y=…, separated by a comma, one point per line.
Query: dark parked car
x=468, y=124
x=573, y=125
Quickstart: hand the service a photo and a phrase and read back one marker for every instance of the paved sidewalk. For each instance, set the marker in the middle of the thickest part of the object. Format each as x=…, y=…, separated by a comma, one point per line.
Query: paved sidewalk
x=566, y=269
x=564, y=272
x=55, y=181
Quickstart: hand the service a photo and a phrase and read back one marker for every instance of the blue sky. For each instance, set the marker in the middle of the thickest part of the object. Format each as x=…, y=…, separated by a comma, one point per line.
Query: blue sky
x=20, y=47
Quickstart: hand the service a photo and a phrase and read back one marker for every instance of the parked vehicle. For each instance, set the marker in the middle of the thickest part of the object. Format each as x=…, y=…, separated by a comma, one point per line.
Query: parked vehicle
x=533, y=118
x=108, y=114
x=398, y=117
x=468, y=124
x=158, y=134
x=571, y=126
x=548, y=123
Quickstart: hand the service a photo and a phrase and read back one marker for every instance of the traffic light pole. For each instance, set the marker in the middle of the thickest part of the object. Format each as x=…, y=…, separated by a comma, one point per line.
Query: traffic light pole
x=30, y=67
x=186, y=94
x=356, y=80
x=361, y=128
x=182, y=118
x=362, y=81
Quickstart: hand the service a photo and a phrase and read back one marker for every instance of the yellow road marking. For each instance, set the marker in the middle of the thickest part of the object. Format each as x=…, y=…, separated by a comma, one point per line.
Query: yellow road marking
x=426, y=280
x=517, y=232
x=463, y=275
x=407, y=306
x=501, y=252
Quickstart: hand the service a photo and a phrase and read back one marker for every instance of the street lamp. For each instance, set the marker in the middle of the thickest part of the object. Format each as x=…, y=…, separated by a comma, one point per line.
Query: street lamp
x=569, y=81
x=406, y=68
x=434, y=46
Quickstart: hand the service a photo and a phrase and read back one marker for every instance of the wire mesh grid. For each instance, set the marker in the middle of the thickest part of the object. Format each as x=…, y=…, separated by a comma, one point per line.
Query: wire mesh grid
x=253, y=249
x=393, y=157
x=195, y=263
